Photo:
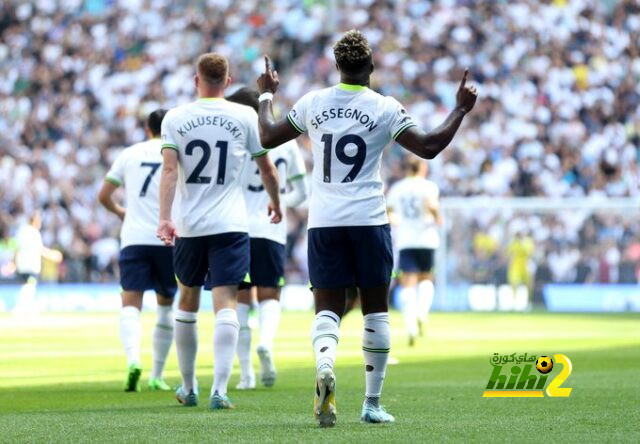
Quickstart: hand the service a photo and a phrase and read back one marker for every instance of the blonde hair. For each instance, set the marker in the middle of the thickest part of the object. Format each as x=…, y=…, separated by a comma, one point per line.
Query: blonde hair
x=212, y=68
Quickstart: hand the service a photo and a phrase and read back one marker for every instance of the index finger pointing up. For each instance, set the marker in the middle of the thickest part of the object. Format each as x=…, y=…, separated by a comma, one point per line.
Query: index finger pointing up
x=464, y=78
x=267, y=64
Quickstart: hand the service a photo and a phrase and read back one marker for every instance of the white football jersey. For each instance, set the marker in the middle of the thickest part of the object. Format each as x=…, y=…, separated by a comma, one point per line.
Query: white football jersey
x=417, y=227
x=138, y=168
x=29, y=250
x=349, y=127
x=290, y=164
x=213, y=138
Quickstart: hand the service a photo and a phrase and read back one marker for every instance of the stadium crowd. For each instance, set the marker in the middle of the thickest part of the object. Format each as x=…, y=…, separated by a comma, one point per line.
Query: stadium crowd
x=558, y=113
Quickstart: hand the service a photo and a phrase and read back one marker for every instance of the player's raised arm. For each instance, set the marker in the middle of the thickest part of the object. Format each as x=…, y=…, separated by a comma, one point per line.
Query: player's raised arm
x=272, y=133
x=429, y=145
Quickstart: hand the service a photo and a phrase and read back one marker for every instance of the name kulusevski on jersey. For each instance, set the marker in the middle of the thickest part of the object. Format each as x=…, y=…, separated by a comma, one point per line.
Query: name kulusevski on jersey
x=213, y=138
x=349, y=127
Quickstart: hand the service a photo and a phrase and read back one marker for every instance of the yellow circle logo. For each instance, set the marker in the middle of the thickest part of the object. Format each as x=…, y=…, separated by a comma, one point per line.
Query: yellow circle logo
x=544, y=364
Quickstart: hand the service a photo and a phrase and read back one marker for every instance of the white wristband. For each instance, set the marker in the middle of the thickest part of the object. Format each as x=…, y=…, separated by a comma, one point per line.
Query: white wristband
x=265, y=96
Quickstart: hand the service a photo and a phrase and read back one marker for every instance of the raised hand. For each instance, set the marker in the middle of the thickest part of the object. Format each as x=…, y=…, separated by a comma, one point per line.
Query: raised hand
x=166, y=232
x=466, y=95
x=268, y=81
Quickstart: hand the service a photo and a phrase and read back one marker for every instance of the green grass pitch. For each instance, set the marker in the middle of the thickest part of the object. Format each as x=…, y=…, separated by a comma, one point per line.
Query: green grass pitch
x=61, y=377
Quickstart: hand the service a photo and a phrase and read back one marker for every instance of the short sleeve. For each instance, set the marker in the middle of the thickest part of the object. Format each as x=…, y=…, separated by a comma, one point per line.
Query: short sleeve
x=115, y=175
x=298, y=114
x=297, y=169
x=166, y=134
x=253, y=139
x=399, y=119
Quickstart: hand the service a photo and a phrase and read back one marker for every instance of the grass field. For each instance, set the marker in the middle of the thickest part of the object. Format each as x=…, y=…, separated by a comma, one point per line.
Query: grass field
x=61, y=379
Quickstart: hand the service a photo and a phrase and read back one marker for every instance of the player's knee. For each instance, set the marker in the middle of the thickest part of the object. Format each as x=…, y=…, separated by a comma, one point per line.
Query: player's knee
x=224, y=297
x=265, y=293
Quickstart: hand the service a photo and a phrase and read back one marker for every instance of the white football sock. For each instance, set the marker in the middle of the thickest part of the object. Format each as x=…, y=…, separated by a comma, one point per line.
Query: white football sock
x=130, y=333
x=376, y=342
x=269, y=313
x=186, y=331
x=409, y=299
x=225, y=342
x=325, y=334
x=162, y=339
x=425, y=299
x=244, y=342
x=26, y=302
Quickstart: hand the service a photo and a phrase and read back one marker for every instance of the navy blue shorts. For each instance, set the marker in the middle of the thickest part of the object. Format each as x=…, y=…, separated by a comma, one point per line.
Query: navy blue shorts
x=416, y=260
x=218, y=259
x=27, y=277
x=267, y=264
x=148, y=267
x=341, y=257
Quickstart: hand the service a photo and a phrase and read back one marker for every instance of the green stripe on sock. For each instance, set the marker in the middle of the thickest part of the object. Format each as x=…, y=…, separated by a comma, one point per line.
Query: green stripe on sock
x=164, y=327
x=326, y=335
x=376, y=350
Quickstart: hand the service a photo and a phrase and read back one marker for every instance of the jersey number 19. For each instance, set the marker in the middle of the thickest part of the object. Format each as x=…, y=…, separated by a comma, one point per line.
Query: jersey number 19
x=357, y=160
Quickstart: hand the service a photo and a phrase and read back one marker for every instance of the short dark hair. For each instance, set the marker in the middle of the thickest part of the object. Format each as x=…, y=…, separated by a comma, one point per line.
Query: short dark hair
x=353, y=53
x=245, y=96
x=154, y=121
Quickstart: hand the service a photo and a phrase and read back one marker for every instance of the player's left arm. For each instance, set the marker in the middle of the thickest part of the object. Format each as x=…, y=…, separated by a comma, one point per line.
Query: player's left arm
x=433, y=207
x=299, y=192
x=429, y=145
x=51, y=254
x=269, y=176
x=272, y=133
x=297, y=180
x=169, y=178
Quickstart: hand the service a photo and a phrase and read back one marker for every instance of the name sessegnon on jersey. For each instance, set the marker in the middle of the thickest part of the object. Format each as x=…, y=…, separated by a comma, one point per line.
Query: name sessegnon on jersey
x=349, y=127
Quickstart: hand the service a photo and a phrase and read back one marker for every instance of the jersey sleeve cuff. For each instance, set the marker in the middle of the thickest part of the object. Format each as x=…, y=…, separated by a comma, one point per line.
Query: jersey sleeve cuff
x=170, y=146
x=296, y=177
x=113, y=180
x=294, y=124
x=402, y=129
x=259, y=154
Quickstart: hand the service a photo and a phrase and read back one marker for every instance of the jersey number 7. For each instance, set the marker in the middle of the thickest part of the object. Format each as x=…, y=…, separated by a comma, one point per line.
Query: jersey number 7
x=356, y=160
x=154, y=167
